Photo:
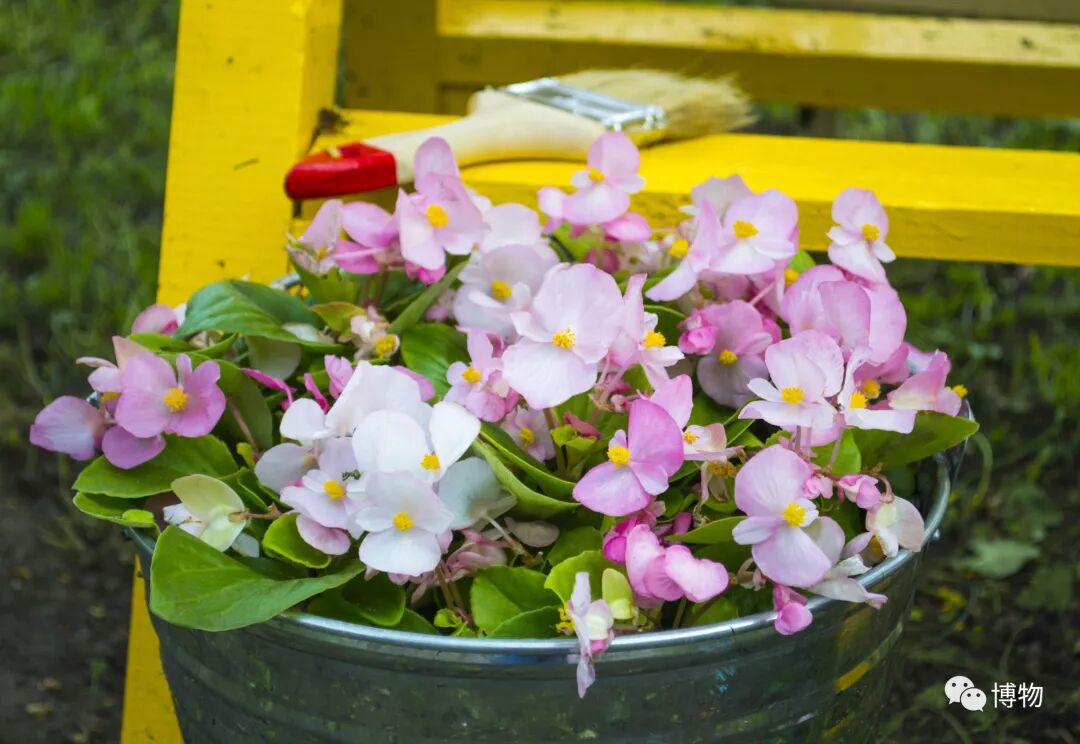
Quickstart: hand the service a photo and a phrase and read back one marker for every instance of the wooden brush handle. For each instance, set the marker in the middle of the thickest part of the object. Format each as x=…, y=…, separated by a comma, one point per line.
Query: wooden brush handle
x=500, y=127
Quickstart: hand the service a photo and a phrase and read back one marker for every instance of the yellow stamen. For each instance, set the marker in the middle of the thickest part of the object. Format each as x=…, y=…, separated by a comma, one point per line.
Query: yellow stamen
x=790, y=276
x=744, y=230
x=653, y=339
x=527, y=435
x=619, y=456
x=334, y=489
x=471, y=375
x=792, y=395
x=727, y=357
x=386, y=346
x=595, y=175
x=321, y=253
x=176, y=399
x=430, y=461
x=566, y=623
x=437, y=216
x=722, y=469
x=871, y=389
x=106, y=397
x=858, y=400
x=960, y=391
x=794, y=514
x=564, y=339
x=500, y=290
x=690, y=437
x=679, y=248
x=871, y=232
x=403, y=522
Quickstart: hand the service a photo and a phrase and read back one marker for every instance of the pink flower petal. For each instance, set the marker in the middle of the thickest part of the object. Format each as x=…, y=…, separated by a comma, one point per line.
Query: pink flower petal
x=699, y=579
x=69, y=425
x=126, y=451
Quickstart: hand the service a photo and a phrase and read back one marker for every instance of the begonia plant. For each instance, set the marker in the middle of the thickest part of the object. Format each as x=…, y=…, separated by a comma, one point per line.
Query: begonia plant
x=463, y=418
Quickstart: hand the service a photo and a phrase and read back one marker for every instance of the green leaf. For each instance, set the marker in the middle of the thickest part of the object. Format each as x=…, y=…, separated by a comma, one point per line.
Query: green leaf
x=616, y=591
x=447, y=618
x=729, y=553
x=160, y=343
x=721, y=610
x=562, y=577
x=1050, y=589
x=195, y=586
x=504, y=444
x=532, y=624
x=430, y=348
x=235, y=306
x=500, y=593
x=250, y=405
x=117, y=511
x=329, y=288
x=706, y=411
x=283, y=541
x=802, y=261
x=255, y=495
x=337, y=315
x=182, y=456
x=415, y=310
x=414, y=622
x=999, y=559
x=530, y=503
x=714, y=532
x=574, y=543
x=378, y=599
x=848, y=458
x=934, y=432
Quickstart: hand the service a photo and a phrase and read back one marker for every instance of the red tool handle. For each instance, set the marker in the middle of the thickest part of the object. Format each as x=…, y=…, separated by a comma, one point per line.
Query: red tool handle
x=348, y=169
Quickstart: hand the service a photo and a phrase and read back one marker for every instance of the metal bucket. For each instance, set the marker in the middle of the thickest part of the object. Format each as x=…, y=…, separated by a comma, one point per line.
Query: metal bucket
x=304, y=678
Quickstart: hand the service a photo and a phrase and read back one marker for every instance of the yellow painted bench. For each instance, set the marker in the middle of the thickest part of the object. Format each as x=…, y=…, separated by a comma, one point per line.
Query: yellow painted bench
x=250, y=83
x=430, y=55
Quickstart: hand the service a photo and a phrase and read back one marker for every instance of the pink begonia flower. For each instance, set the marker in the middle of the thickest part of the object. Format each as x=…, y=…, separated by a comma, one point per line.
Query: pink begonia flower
x=208, y=510
x=792, y=614
x=274, y=383
x=570, y=327
x=853, y=315
x=500, y=282
x=757, y=233
x=628, y=228
x=471, y=493
x=592, y=622
x=658, y=574
x=638, y=342
x=529, y=429
x=737, y=339
x=719, y=193
x=896, y=524
x=855, y=409
x=157, y=319
x=860, y=488
x=106, y=377
x=614, y=543
x=370, y=388
x=156, y=399
x=604, y=189
x=442, y=311
x=479, y=385
x=511, y=224
x=676, y=396
x=804, y=370
x=404, y=520
x=926, y=391
x=372, y=239
x=640, y=461
x=440, y=217
x=338, y=370
x=314, y=251
x=769, y=490
x=427, y=388
x=424, y=445
x=323, y=499
x=702, y=254
x=69, y=425
x=838, y=582
x=858, y=239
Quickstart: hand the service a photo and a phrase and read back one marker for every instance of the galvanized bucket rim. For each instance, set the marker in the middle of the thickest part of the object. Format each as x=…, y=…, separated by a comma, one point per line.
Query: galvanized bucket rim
x=304, y=624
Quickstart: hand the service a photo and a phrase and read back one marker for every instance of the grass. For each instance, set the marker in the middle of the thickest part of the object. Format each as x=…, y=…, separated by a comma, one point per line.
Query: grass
x=84, y=110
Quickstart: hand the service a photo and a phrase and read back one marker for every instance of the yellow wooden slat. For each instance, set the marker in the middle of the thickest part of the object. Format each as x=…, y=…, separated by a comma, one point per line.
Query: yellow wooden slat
x=1067, y=11
x=249, y=84
x=951, y=203
x=821, y=58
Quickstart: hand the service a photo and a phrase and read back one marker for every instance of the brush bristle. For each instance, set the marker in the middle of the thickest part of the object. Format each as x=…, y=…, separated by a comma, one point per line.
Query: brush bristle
x=694, y=106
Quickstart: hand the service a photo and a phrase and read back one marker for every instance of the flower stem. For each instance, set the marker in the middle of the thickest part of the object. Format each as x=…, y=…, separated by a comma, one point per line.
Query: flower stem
x=244, y=429
x=679, y=613
x=553, y=423
x=835, y=451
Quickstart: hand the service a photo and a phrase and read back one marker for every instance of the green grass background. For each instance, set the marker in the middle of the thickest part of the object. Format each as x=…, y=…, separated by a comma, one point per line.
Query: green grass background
x=85, y=92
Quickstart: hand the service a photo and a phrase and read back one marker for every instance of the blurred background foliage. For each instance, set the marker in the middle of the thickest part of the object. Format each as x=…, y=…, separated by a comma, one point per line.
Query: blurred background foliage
x=85, y=92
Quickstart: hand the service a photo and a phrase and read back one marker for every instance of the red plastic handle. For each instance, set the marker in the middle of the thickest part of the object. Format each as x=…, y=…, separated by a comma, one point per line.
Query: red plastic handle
x=349, y=169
